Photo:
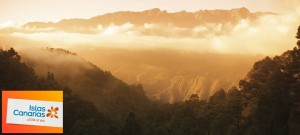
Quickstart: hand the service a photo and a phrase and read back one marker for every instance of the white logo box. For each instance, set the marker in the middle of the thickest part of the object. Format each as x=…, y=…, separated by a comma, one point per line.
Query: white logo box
x=23, y=105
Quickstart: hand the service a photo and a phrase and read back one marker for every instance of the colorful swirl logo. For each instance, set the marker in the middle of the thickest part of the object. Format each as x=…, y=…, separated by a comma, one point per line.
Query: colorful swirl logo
x=52, y=112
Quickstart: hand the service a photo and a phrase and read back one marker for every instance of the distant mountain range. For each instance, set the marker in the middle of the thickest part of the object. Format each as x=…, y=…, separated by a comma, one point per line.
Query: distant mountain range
x=156, y=16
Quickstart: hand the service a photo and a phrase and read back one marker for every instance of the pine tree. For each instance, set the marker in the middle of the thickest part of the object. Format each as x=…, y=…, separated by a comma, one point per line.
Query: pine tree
x=272, y=112
x=298, y=37
x=234, y=108
x=131, y=126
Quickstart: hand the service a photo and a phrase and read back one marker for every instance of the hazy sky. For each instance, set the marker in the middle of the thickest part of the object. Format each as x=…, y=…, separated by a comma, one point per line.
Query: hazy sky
x=20, y=11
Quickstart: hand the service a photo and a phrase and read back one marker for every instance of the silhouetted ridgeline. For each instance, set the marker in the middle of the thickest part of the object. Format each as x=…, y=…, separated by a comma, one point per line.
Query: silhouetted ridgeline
x=80, y=116
x=111, y=96
x=153, y=16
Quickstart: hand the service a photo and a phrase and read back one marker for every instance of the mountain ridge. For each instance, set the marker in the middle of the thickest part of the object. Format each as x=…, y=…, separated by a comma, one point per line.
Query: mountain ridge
x=110, y=95
x=155, y=15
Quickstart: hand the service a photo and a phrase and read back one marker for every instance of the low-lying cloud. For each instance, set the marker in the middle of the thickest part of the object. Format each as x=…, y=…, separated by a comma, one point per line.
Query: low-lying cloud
x=270, y=34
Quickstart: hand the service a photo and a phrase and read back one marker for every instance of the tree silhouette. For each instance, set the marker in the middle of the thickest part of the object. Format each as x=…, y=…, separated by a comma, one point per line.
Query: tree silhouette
x=14, y=73
x=298, y=37
x=234, y=108
x=131, y=127
x=194, y=98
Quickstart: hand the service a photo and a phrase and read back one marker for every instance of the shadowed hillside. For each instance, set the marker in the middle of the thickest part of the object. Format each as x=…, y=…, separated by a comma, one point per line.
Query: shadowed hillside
x=80, y=116
x=111, y=95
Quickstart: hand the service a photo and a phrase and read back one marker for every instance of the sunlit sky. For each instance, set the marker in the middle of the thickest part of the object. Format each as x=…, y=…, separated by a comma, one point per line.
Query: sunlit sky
x=21, y=11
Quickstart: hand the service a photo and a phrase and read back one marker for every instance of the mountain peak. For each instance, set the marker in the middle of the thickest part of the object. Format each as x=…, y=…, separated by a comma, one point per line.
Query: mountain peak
x=242, y=10
x=155, y=10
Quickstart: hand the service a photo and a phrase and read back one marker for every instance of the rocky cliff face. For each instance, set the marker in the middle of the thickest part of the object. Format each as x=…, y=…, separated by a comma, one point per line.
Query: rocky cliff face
x=177, y=87
x=171, y=76
x=180, y=88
